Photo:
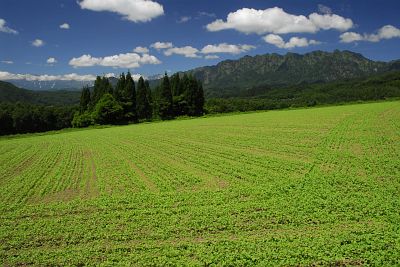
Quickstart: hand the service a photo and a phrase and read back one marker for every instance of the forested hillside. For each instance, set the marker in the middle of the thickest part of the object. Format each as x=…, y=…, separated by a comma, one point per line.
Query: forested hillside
x=9, y=93
x=376, y=87
x=229, y=77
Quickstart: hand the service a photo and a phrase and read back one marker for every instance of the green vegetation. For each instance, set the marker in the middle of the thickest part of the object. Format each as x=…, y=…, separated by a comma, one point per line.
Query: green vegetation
x=302, y=187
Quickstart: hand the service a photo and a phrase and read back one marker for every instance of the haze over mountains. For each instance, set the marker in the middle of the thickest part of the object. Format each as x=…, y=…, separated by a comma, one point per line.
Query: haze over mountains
x=51, y=85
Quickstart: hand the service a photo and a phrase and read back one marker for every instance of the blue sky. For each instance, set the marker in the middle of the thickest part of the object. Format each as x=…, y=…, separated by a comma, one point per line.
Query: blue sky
x=101, y=36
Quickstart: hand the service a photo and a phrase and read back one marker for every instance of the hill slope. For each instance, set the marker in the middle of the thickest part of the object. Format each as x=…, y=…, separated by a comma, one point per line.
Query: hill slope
x=9, y=93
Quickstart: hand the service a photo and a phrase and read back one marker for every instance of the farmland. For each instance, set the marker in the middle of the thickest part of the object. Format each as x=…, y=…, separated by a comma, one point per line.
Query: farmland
x=315, y=186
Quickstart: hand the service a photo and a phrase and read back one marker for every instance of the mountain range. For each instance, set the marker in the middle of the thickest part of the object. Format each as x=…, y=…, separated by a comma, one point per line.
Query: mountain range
x=51, y=85
x=274, y=70
x=233, y=77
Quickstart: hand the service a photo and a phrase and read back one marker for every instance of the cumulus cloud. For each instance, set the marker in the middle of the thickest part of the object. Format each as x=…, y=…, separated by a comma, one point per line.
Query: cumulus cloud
x=191, y=52
x=161, y=45
x=128, y=60
x=141, y=50
x=184, y=19
x=7, y=62
x=324, y=9
x=276, y=20
x=292, y=43
x=65, y=26
x=226, y=48
x=66, y=77
x=37, y=43
x=133, y=10
x=386, y=32
x=186, y=51
x=330, y=21
x=51, y=60
x=4, y=28
x=211, y=57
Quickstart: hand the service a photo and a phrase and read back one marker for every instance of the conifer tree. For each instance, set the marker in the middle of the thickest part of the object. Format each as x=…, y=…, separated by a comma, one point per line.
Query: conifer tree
x=194, y=97
x=143, y=104
x=200, y=99
x=176, y=85
x=129, y=98
x=165, y=102
x=120, y=87
x=85, y=99
x=148, y=92
x=106, y=86
x=97, y=91
x=149, y=96
x=184, y=83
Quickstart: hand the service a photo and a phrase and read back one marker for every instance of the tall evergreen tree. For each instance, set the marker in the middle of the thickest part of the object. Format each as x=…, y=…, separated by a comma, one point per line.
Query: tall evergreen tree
x=176, y=85
x=165, y=101
x=129, y=98
x=120, y=87
x=97, y=91
x=101, y=86
x=148, y=92
x=106, y=86
x=184, y=84
x=143, y=105
x=194, y=97
x=85, y=99
x=200, y=100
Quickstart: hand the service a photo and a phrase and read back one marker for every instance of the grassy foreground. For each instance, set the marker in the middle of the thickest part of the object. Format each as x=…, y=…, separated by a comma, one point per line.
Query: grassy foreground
x=304, y=187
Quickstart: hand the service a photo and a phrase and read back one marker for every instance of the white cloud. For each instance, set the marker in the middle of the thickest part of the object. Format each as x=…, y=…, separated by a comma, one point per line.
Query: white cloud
x=141, y=50
x=349, y=37
x=292, y=43
x=4, y=28
x=386, y=32
x=128, y=60
x=7, y=62
x=184, y=19
x=186, y=51
x=161, y=45
x=65, y=26
x=226, y=48
x=211, y=57
x=37, y=43
x=51, y=60
x=66, y=77
x=191, y=52
x=84, y=61
x=276, y=20
x=324, y=9
x=330, y=21
x=133, y=10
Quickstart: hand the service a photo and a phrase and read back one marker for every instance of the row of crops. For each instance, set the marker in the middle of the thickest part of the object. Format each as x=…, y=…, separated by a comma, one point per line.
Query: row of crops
x=298, y=187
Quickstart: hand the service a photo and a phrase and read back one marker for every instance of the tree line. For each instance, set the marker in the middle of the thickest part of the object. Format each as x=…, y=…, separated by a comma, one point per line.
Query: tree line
x=131, y=102
x=27, y=118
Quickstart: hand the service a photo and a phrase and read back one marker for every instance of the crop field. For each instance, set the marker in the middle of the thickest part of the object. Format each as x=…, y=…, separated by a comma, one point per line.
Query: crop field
x=306, y=187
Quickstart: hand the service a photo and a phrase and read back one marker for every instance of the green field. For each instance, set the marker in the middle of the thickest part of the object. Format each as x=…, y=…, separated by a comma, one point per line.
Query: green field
x=317, y=186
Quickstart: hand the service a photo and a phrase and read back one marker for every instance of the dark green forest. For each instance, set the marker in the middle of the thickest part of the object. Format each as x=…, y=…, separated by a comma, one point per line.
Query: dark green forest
x=131, y=102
